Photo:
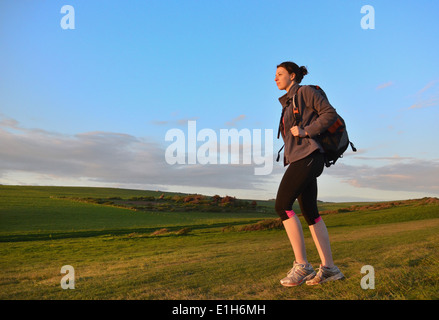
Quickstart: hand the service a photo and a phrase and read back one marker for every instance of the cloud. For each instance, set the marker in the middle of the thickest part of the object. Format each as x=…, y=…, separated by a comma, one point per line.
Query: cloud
x=234, y=121
x=178, y=122
x=183, y=122
x=424, y=103
x=109, y=157
x=101, y=158
x=428, y=96
x=427, y=86
x=413, y=175
x=384, y=85
x=392, y=158
x=8, y=123
x=160, y=122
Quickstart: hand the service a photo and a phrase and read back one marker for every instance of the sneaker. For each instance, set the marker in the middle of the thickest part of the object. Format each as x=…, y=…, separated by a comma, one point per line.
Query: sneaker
x=325, y=274
x=298, y=274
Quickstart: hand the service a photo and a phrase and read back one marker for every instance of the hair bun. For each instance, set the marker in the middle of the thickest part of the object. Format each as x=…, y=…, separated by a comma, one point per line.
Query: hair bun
x=303, y=70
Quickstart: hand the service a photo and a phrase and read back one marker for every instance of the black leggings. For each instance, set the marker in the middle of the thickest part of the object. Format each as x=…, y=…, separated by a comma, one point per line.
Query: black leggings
x=300, y=182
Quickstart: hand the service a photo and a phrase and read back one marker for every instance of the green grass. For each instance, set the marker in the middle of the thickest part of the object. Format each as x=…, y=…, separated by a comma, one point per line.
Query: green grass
x=115, y=255
x=32, y=213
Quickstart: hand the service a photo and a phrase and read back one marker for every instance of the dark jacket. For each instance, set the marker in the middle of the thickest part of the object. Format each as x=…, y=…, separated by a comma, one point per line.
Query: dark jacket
x=317, y=116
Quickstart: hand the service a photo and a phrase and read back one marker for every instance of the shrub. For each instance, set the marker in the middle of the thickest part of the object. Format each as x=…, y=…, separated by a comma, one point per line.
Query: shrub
x=160, y=232
x=264, y=225
x=183, y=231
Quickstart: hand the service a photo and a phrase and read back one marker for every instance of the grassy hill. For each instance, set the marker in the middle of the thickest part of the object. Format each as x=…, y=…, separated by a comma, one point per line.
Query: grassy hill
x=133, y=244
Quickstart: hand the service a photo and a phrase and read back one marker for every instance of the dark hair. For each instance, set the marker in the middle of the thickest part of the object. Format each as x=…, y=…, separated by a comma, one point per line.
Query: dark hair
x=291, y=67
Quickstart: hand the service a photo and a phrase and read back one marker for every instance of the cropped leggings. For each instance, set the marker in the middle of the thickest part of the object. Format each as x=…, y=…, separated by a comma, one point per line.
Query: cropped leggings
x=300, y=182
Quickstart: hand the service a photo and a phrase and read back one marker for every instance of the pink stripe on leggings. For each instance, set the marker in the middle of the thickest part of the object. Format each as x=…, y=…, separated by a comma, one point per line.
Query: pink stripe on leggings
x=290, y=213
x=318, y=219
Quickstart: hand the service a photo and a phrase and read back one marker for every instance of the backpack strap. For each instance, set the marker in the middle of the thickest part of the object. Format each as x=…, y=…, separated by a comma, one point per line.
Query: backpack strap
x=282, y=116
x=278, y=153
x=296, y=111
x=281, y=125
x=297, y=116
x=353, y=147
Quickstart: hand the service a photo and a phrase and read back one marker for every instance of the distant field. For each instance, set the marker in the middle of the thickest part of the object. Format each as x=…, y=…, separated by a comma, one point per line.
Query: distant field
x=120, y=253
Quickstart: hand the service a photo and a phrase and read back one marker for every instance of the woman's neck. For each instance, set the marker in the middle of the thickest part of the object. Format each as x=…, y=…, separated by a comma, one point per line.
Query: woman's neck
x=289, y=87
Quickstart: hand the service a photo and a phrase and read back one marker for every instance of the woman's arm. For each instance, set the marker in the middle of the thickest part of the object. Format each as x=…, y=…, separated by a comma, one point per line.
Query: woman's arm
x=327, y=114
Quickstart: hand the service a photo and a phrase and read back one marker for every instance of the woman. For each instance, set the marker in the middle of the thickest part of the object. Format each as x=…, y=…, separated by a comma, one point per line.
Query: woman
x=305, y=160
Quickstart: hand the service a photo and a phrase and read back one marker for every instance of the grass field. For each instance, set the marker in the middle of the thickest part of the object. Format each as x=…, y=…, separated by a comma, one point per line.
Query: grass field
x=117, y=253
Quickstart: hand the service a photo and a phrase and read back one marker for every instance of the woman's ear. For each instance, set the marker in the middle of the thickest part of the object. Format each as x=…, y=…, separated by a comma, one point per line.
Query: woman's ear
x=292, y=76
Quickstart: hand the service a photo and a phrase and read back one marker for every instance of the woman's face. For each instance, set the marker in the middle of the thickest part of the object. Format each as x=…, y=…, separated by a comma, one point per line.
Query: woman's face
x=283, y=79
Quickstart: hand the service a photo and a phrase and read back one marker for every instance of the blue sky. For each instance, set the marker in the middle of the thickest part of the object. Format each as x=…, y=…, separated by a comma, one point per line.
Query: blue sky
x=91, y=106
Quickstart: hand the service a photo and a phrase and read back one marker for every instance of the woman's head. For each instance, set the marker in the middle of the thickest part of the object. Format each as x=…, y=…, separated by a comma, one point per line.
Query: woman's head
x=288, y=73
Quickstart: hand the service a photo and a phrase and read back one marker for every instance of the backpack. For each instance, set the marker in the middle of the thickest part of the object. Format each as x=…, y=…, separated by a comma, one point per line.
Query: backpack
x=334, y=141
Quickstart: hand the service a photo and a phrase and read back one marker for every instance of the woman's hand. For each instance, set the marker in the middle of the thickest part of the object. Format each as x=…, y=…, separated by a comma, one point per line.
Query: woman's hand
x=298, y=132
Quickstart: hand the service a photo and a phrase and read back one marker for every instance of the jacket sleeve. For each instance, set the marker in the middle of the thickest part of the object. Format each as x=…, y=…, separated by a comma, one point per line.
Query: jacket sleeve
x=325, y=111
